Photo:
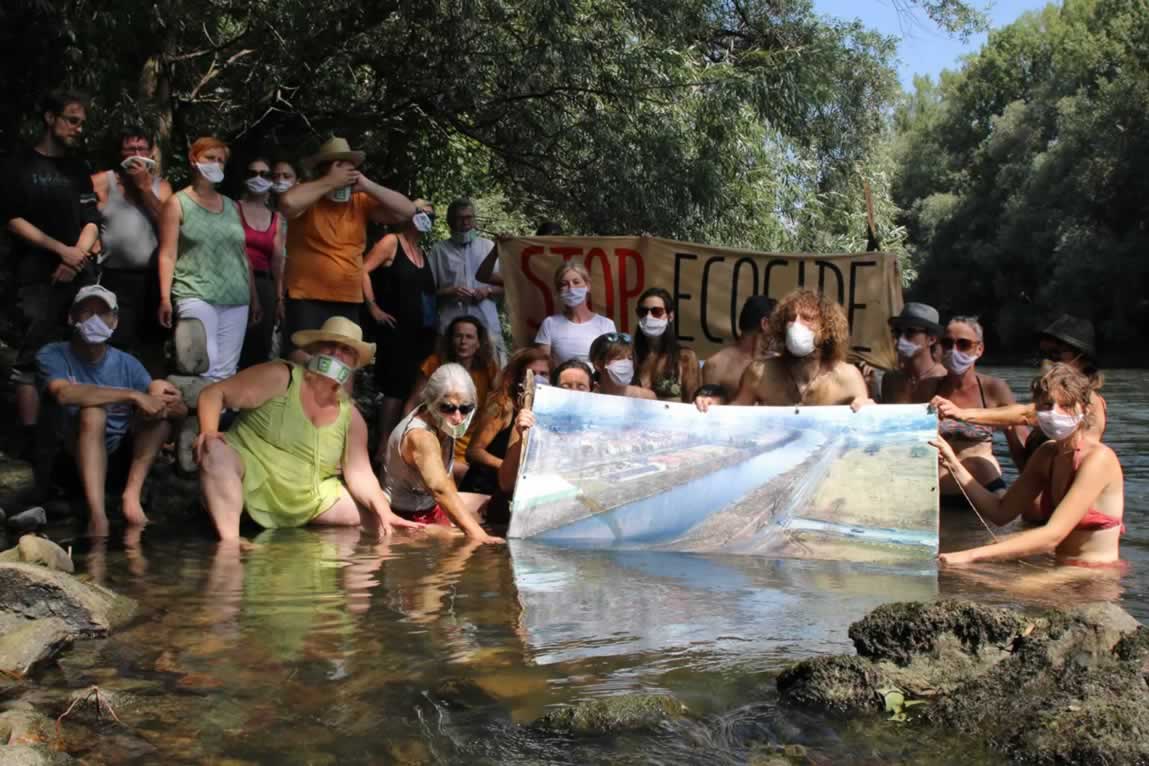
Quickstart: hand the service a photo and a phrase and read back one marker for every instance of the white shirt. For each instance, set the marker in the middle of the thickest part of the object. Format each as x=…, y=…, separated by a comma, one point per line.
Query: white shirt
x=571, y=340
x=455, y=266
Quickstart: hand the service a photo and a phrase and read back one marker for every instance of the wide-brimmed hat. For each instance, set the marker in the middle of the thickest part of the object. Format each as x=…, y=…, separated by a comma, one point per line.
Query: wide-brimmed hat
x=339, y=330
x=1072, y=331
x=97, y=291
x=334, y=149
x=918, y=315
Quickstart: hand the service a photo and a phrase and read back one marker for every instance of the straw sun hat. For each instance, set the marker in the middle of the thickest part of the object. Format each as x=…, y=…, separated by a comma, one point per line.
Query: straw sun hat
x=334, y=149
x=339, y=330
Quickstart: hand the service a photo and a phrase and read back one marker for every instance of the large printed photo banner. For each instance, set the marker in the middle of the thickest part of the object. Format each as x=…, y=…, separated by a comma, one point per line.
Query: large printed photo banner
x=812, y=482
x=709, y=285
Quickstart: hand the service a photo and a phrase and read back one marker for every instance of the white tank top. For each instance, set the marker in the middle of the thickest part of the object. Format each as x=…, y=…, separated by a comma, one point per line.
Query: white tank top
x=403, y=485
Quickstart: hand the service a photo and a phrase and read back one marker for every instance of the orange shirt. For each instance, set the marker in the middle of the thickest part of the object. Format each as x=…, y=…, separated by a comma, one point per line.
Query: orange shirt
x=325, y=247
x=482, y=380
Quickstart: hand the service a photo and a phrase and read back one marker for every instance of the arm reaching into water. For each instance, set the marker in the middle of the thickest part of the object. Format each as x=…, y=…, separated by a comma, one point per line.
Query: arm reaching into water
x=421, y=450
x=361, y=482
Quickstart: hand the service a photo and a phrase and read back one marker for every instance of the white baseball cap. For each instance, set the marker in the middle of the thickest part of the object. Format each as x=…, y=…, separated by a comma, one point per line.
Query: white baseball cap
x=97, y=291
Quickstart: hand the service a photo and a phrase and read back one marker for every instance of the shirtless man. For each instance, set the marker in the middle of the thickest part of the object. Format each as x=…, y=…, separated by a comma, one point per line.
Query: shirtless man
x=812, y=368
x=916, y=331
x=725, y=368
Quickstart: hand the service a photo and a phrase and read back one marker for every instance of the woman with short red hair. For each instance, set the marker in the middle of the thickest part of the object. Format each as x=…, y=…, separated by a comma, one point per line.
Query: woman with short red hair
x=204, y=271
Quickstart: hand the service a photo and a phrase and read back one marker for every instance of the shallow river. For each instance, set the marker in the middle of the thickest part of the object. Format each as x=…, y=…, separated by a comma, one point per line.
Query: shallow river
x=319, y=648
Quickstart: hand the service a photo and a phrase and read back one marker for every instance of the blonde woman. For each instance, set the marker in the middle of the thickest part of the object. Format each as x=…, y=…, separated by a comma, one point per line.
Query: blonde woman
x=570, y=333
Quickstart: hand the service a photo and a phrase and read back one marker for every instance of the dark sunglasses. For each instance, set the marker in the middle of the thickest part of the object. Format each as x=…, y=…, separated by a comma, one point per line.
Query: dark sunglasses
x=906, y=332
x=963, y=344
x=658, y=312
x=450, y=409
x=260, y=173
x=617, y=337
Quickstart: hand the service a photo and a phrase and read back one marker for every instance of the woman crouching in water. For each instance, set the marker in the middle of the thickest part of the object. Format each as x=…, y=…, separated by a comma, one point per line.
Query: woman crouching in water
x=1078, y=479
x=421, y=453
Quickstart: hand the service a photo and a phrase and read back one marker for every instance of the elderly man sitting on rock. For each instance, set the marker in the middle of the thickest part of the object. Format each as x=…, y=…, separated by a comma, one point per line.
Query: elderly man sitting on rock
x=297, y=454
x=102, y=400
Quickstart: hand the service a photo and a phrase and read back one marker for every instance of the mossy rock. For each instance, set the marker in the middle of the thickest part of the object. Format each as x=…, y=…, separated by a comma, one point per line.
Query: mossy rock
x=612, y=715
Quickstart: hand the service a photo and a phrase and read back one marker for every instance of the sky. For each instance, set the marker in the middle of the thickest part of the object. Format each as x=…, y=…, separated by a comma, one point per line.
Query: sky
x=924, y=49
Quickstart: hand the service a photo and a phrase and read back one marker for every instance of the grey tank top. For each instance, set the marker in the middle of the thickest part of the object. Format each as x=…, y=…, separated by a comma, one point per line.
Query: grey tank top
x=403, y=485
x=129, y=236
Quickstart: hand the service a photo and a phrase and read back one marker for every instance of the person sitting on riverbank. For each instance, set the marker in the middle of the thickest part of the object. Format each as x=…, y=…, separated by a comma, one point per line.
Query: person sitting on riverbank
x=612, y=357
x=297, y=454
x=103, y=399
x=419, y=480
x=963, y=345
x=726, y=366
x=916, y=331
x=1079, y=481
x=667, y=369
x=1067, y=340
x=813, y=335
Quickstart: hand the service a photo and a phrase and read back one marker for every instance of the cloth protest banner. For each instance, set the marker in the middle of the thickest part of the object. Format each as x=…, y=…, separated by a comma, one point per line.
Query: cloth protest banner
x=807, y=482
x=709, y=285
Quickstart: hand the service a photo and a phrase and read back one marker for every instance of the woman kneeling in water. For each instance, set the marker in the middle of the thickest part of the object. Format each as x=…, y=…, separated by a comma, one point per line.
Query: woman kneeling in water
x=1079, y=480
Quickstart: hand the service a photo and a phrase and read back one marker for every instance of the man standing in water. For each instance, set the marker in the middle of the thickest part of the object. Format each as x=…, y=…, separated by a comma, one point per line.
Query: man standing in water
x=813, y=334
x=725, y=368
x=916, y=331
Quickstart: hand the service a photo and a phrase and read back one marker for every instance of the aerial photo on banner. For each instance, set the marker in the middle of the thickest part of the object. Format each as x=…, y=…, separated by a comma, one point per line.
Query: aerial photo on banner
x=811, y=482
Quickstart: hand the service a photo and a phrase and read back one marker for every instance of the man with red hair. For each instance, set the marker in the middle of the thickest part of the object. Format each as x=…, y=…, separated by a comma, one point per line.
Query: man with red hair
x=813, y=335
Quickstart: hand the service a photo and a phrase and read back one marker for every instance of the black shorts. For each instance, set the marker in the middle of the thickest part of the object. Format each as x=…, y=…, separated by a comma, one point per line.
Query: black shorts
x=137, y=292
x=44, y=312
x=303, y=314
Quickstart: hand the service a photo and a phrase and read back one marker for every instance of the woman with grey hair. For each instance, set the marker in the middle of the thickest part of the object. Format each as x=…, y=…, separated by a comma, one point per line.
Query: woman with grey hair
x=418, y=479
x=962, y=345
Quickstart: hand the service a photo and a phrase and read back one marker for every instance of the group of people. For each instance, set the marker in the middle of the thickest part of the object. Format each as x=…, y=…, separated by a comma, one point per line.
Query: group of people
x=124, y=258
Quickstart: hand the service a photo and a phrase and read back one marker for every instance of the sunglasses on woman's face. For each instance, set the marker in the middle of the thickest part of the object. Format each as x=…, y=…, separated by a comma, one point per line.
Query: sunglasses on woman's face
x=260, y=173
x=617, y=337
x=963, y=344
x=658, y=312
x=450, y=409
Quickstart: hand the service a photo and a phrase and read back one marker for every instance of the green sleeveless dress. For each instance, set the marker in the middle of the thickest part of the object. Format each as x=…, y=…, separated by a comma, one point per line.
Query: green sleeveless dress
x=292, y=471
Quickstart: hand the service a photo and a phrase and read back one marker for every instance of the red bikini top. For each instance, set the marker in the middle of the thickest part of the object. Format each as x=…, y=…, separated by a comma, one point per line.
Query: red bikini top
x=1093, y=519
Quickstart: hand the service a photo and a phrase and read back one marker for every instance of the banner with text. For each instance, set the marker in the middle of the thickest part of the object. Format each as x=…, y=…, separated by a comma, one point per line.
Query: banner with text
x=709, y=285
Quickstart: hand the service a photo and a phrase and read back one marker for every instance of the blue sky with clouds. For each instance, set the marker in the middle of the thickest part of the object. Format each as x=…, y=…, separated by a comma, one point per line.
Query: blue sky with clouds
x=923, y=48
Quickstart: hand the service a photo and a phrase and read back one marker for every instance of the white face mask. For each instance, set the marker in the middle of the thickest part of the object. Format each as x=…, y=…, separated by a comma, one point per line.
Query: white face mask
x=422, y=222
x=212, y=171
x=652, y=327
x=573, y=296
x=541, y=380
x=463, y=237
x=455, y=432
x=94, y=329
x=329, y=367
x=257, y=185
x=621, y=371
x=799, y=339
x=341, y=195
x=279, y=187
x=958, y=362
x=1058, y=424
x=907, y=349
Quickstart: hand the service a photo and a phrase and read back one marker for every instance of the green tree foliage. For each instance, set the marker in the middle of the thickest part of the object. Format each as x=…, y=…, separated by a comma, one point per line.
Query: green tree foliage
x=1025, y=177
x=745, y=122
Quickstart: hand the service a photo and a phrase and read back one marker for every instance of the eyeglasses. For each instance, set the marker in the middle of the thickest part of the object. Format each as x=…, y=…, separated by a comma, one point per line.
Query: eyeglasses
x=963, y=344
x=73, y=120
x=450, y=409
x=906, y=332
x=260, y=173
x=616, y=337
x=658, y=312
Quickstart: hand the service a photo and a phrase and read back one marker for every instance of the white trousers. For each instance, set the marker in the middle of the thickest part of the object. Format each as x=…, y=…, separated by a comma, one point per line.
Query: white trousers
x=224, y=327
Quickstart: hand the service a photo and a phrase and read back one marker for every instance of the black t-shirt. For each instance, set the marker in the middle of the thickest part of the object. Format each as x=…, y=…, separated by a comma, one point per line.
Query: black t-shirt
x=55, y=195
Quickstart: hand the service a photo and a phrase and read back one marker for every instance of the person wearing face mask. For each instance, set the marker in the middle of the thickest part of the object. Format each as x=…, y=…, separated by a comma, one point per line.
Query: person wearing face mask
x=802, y=357
x=916, y=331
x=263, y=234
x=204, y=272
x=488, y=446
x=1077, y=481
x=612, y=358
x=1068, y=340
x=297, y=453
x=455, y=262
x=132, y=196
x=103, y=403
x=569, y=334
x=419, y=478
x=466, y=344
x=399, y=294
x=327, y=236
x=668, y=370
x=962, y=344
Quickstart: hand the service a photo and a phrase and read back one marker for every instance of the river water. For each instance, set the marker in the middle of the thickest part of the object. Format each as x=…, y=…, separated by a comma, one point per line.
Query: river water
x=317, y=647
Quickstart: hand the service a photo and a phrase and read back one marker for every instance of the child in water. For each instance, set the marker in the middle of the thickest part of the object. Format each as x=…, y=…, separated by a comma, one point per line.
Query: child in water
x=1076, y=481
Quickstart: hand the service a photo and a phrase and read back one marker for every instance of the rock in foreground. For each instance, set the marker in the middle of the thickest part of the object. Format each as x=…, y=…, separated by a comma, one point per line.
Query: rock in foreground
x=33, y=592
x=1061, y=687
x=611, y=715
